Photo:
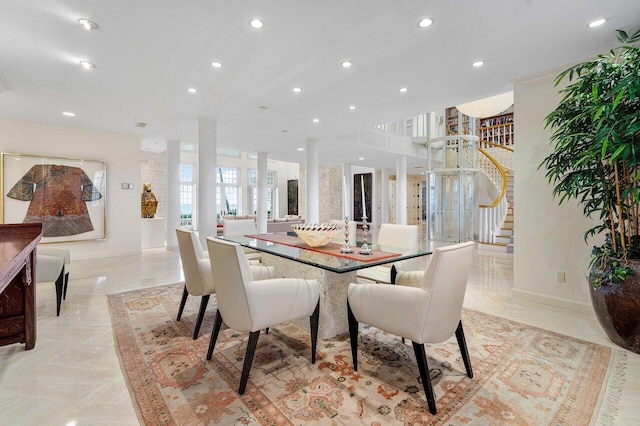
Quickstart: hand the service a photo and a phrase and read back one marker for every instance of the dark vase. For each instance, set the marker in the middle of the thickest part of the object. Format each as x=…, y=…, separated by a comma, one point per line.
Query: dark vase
x=617, y=308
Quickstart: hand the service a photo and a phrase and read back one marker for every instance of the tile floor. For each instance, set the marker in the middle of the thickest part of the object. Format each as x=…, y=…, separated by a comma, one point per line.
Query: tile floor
x=73, y=376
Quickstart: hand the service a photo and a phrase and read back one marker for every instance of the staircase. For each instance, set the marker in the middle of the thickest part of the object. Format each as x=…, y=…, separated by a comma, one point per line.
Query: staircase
x=504, y=237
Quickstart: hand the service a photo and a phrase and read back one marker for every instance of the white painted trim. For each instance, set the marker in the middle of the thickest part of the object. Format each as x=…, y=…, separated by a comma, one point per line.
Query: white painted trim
x=553, y=301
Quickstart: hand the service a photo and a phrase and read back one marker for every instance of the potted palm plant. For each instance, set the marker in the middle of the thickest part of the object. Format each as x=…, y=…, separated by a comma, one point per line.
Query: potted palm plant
x=596, y=161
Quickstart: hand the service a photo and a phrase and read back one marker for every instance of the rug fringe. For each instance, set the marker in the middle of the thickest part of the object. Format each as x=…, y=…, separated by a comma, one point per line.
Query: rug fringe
x=612, y=390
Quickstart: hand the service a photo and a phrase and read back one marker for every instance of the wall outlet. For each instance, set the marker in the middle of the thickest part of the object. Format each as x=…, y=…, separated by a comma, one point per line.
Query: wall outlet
x=560, y=277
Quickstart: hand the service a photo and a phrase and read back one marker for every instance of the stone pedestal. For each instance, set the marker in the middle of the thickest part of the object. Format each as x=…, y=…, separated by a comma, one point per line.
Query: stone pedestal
x=153, y=230
x=333, y=293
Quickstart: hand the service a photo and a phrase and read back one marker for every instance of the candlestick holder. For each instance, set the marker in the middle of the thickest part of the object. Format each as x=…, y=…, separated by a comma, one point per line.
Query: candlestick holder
x=346, y=248
x=364, y=249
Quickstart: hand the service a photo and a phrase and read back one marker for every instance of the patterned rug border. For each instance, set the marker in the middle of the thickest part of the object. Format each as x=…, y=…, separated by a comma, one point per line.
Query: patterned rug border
x=607, y=401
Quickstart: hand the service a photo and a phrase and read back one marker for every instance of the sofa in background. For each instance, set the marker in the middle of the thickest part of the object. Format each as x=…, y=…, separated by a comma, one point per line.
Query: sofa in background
x=273, y=225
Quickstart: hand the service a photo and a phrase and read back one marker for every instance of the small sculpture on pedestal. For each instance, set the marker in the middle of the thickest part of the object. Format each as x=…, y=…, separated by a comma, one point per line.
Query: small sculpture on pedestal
x=148, y=202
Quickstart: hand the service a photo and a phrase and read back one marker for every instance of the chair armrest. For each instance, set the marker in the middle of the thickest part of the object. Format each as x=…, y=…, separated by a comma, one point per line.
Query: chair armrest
x=397, y=309
x=260, y=273
x=410, y=278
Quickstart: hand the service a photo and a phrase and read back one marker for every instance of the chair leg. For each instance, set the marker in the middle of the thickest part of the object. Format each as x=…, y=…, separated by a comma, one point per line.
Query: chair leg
x=59, y=290
x=214, y=334
x=266, y=330
x=463, y=349
x=314, y=319
x=394, y=274
x=353, y=336
x=66, y=283
x=183, y=301
x=248, y=360
x=203, y=308
x=421, y=358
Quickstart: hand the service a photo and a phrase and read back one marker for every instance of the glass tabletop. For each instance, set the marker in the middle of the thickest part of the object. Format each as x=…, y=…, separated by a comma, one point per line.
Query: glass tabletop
x=330, y=262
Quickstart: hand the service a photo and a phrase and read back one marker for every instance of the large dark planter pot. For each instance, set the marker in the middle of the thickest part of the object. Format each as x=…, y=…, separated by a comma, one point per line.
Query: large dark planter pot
x=618, y=309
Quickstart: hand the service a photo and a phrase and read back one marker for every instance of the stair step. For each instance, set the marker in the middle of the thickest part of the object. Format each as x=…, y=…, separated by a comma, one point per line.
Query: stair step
x=493, y=247
x=506, y=231
x=504, y=239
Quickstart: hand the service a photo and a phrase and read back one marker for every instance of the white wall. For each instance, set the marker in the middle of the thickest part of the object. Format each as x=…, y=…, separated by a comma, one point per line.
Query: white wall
x=548, y=237
x=120, y=152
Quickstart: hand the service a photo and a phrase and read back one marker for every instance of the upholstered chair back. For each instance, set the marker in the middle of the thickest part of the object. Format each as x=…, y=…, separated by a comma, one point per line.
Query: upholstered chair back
x=446, y=277
x=239, y=227
x=402, y=236
x=187, y=243
x=231, y=273
x=197, y=246
x=339, y=237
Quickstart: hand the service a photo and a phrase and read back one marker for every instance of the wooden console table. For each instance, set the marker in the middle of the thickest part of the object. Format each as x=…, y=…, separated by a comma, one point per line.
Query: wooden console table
x=17, y=283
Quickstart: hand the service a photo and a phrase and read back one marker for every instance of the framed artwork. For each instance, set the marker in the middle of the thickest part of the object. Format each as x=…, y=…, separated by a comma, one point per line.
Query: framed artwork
x=362, y=181
x=68, y=196
x=292, y=196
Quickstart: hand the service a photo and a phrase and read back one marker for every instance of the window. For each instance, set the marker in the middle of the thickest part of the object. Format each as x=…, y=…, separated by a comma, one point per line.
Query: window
x=187, y=195
x=272, y=192
x=228, y=190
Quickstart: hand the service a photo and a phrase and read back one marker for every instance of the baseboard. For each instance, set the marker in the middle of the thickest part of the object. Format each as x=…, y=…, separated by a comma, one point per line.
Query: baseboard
x=553, y=301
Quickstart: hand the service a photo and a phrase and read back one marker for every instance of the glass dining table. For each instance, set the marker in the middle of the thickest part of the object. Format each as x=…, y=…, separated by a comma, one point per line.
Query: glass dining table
x=334, y=270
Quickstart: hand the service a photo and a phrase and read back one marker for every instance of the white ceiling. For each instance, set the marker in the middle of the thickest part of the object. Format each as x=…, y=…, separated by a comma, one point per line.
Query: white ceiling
x=148, y=52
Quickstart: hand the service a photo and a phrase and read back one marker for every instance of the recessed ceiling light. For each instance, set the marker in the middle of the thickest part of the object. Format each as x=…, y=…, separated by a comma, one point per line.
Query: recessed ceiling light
x=284, y=130
x=346, y=64
x=87, y=24
x=316, y=120
x=256, y=23
x=192, y=90
x=597, y=23
x=141, y=124
x=87, y=65
x=300, y=149
x=68, y=114
x=403, y=89
x=425, y=22
x=477, y=64
x=263, y=107
x=297, y=90
x=216, y=64
x=352, y=107
x=361, y=158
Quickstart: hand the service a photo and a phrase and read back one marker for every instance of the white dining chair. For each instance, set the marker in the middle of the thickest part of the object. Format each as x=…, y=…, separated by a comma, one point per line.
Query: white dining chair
x=242, y=227
x=246, y=304
x=423, y=306
x=50, y=268
x=66, y=254
x=391, y=236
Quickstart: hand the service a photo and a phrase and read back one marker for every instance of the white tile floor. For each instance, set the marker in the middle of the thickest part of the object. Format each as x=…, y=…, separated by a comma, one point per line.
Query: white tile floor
x=73, y=377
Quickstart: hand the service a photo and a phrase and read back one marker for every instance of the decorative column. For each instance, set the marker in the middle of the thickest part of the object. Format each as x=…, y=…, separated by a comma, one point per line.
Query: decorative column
x=384, y=194
x=207, y=181
x=262, y=193
x=313, y=181
x=401, y=190
x=173, y=192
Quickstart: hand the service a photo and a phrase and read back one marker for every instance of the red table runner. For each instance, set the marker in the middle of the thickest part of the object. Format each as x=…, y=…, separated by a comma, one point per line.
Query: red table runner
x=332, y=249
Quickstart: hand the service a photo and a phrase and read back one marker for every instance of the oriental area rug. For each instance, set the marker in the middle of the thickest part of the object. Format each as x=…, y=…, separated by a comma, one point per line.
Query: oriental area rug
x=522, y=375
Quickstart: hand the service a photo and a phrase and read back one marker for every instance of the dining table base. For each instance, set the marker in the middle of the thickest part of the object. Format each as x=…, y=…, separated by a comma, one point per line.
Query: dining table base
x=333, y=293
